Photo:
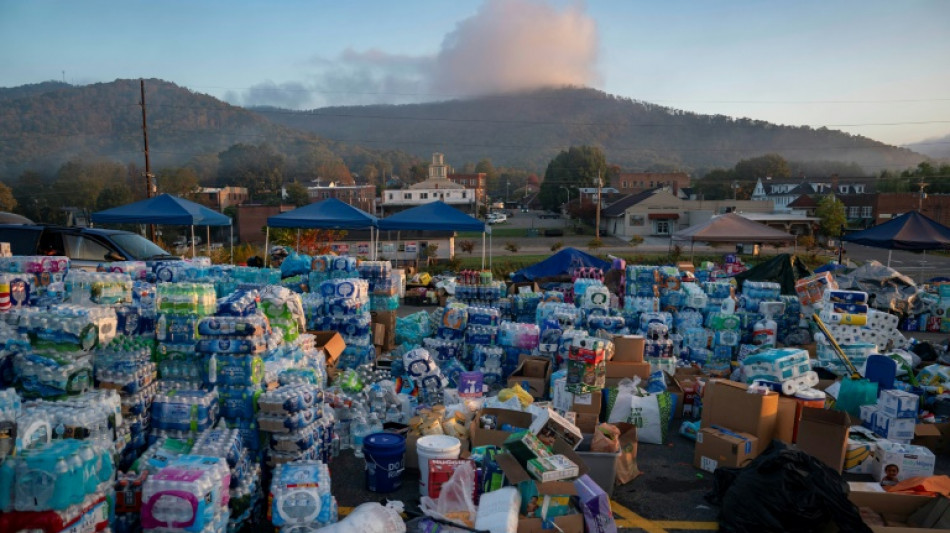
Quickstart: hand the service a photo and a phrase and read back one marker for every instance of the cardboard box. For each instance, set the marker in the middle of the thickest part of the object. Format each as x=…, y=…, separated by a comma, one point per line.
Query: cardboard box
x=586, y=409
x=910, y=460
x=859, y=455
x=786, y=423
x=483, y=437
x=387, y=319
x=686, y=266
x=898, y=404
x=897, y=429
x=928, y=436
x=628, y=348
x=440, y=470
x=728, y=404
x=823, y=434
x=331, y=343
x=717, y=447
x=533, y=374
x=516, y=474
x=686, y=384
x=548, y=425
x=553, y=468
x=522, y=287
x=895, y=510
x=618, y=371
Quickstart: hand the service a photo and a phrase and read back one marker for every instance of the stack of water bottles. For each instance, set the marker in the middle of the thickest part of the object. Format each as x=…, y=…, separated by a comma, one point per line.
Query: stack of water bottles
x=35, y=277
x=300, y=498
x=296, y=425
x=384, y=293
x=245, y=480
x=138, y=316
x=98, y=288
x=325, y=267
x=524, y=306
x=125, y=366
x=345, y=310
x=477, y=288
x=284, y=311
x=517, y=338
x=53, y=483
x=190, y=494
x=182, y=412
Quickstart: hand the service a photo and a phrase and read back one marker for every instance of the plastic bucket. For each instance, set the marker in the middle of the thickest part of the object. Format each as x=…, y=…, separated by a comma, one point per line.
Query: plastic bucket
x=434, y=447
x=385, y=460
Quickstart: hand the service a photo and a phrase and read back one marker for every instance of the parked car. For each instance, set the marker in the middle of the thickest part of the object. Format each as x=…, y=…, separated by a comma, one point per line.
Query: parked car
x=549, y=214
x=85, y=247
x=495, y=218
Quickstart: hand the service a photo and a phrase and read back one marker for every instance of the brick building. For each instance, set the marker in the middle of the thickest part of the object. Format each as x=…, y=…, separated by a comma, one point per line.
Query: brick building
x=890, y=205
x=477, y=182
x=252, y=219
x=219, y=198
x=359, y=196
x=636, y=182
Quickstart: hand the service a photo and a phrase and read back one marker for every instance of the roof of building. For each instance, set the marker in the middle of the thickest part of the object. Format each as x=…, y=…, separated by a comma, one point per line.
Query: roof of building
x=805, y=201
x=688, y=191
x=620, y=207
x=436, y=183
x=857, y=200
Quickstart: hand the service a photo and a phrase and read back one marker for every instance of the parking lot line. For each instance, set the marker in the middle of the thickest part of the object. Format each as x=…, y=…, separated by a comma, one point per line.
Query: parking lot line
x=626, y=518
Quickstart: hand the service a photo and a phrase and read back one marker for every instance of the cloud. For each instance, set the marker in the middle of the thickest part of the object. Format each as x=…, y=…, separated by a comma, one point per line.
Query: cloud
x=517, y=44
x=507, y=45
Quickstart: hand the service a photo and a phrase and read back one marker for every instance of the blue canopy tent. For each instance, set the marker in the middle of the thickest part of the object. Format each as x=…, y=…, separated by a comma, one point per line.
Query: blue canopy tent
x=326, y=214
x=911, y=231
x=559, y=264
x=435, y=215
x=167, y=210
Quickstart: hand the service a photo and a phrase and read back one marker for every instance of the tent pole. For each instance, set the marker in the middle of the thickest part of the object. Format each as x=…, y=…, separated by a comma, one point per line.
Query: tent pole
x=192, y=241
x=483, y=250
x=232, y=244
x=692, y=246
x=889, y=258
x=208, y=228
x=266, y=243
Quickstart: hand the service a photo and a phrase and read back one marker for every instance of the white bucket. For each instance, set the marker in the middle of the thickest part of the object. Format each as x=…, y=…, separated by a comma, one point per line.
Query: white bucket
x=434, y=447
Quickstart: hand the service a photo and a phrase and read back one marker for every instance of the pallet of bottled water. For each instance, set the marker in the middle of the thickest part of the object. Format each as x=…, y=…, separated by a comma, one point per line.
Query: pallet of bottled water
x=68, y=325
x=178, y=409
x=191, y=494
x=300, y=495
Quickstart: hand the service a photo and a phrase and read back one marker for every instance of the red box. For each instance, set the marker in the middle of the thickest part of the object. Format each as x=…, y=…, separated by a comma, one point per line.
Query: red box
x=933, y=324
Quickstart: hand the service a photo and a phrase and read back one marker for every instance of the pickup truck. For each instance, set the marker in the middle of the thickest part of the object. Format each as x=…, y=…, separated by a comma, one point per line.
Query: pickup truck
x=85, y=247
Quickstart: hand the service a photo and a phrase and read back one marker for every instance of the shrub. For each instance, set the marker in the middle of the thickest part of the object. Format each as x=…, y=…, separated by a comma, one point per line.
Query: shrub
x=595, y=243
x=807, y=242
x=512, y=247
x=557, y=246
x=636, y=240
x=467, y=246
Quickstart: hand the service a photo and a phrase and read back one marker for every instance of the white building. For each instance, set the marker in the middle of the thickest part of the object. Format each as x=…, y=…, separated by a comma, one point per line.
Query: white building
x=436, y=187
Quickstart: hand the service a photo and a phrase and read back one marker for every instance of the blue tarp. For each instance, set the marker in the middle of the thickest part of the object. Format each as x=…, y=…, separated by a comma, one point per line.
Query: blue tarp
x=911, y=231
x=326, y=214
x=559, y=264
x=432, y=216
x=164, y=209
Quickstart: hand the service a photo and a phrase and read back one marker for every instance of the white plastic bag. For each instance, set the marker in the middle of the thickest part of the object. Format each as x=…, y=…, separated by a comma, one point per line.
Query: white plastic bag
x=455, y=502
x=626, y=389
x=371, y=518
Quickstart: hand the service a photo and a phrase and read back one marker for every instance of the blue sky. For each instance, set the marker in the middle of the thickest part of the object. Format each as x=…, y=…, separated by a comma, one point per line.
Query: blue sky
x=873, y=67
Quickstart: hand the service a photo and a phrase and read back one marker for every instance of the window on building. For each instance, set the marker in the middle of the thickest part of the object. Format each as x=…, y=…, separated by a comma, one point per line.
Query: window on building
x=651, y=183
x=853, y=211
x=407, y=196
x=423, y=196
x=866, y=211
x=325, y=195
x=637, y=220
x=624, y=185
x=843, y=189
x=390, y=196
x=464, y=194
x=662, y=227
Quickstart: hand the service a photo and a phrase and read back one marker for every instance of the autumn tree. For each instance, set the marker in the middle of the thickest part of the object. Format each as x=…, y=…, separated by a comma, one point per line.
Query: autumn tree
x=831, y=215
x=7, y=201
x=571, y=169
x=297, y=194
x=260, y=168
x=182, y=181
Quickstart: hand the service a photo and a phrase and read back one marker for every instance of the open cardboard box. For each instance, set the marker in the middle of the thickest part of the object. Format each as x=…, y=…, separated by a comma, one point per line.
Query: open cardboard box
x=617, y=371
x=728, y=404
x=587, y=410
x=894, y=508
x=479, y=436
x=533, y=374
x=823, y=434
x=516, y=474
x=331, y=343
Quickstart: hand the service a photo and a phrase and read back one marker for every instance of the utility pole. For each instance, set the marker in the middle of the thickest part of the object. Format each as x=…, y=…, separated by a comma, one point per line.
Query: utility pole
x=600, y=184
x=148, y=166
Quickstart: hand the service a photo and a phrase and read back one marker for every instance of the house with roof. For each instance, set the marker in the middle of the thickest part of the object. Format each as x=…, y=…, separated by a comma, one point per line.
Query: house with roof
x=438, y=186
x=660, y=212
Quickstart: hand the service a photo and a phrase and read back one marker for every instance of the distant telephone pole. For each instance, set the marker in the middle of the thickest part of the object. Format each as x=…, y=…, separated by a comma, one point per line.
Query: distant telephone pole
x=149, y=190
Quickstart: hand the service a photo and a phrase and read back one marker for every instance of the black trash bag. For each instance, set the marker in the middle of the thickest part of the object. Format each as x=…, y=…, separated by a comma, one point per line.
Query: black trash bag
x=783, y=491
x=925, y=351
